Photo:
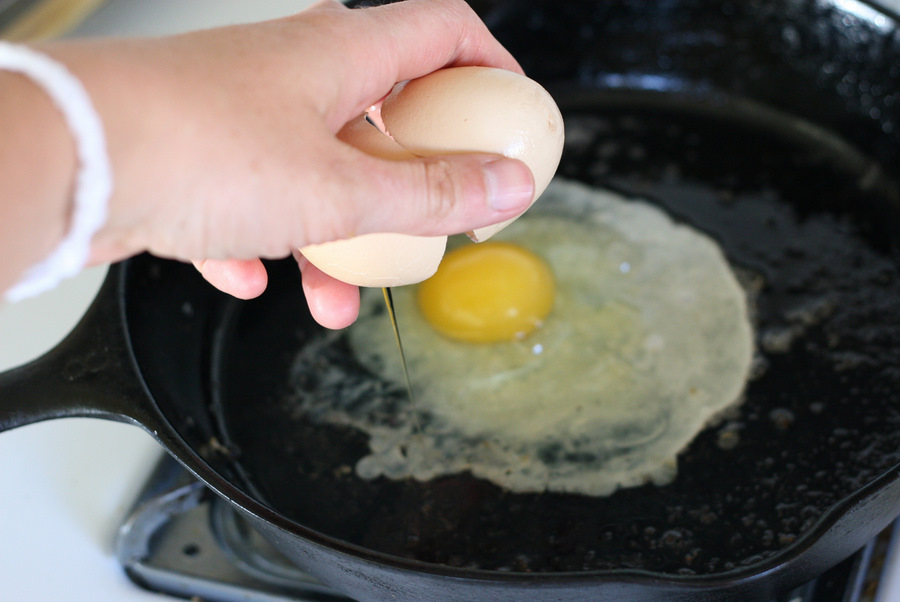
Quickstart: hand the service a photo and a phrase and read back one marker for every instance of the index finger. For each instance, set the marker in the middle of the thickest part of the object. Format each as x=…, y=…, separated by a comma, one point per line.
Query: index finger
x=386, y=44
x=441, y=33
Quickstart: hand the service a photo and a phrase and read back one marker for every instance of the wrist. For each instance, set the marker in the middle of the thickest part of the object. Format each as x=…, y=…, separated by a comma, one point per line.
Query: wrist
x=132, y=86
x=92, y=183
x=38, y=165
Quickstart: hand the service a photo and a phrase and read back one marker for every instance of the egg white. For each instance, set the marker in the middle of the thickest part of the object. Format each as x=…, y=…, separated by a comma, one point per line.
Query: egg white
x=648, y=339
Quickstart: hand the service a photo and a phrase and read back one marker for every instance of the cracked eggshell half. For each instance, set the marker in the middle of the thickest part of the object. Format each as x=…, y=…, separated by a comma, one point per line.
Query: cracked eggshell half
x=454, y=110
x=479, y=109
x=379, y=259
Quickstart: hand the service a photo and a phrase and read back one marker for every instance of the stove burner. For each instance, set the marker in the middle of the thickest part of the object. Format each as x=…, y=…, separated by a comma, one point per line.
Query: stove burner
x=181, y=539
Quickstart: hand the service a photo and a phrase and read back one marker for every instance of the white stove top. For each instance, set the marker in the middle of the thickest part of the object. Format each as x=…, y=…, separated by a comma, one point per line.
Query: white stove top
x=67, y=484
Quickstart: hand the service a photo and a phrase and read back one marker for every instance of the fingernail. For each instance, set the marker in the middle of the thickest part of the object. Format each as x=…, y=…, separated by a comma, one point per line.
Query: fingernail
x=509, y=185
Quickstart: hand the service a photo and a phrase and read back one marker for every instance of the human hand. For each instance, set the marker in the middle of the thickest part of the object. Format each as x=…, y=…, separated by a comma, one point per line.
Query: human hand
x=223, y=142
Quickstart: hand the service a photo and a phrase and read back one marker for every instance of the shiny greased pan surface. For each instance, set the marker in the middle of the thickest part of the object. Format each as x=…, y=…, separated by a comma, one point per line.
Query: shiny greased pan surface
x=768, y=125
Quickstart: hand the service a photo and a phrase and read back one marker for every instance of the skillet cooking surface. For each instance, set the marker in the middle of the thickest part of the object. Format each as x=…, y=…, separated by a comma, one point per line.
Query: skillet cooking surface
x=809, y=220
x=812, y=229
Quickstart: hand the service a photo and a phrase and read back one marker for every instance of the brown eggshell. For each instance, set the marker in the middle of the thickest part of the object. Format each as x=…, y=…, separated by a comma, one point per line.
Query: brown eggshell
x=380, y=259
x=479, y=109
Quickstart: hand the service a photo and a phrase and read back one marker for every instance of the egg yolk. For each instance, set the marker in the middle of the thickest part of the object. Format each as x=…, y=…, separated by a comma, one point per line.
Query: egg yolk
x=488, y=292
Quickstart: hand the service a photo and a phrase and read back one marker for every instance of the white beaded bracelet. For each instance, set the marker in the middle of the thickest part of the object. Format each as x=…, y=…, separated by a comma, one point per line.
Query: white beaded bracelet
x=93, y=184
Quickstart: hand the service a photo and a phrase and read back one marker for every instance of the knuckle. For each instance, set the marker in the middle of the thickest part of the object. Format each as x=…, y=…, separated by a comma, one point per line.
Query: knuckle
x=441, y=190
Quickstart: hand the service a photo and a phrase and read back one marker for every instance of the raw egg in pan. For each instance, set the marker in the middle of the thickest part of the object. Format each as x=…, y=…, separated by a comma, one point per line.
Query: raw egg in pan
x=621, y=334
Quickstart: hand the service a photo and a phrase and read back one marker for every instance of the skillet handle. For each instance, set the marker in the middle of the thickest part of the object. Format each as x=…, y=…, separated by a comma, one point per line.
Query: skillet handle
x=91, y=373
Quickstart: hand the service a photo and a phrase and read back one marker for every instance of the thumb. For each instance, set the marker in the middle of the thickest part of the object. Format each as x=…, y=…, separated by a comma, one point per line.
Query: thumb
x=440, y=195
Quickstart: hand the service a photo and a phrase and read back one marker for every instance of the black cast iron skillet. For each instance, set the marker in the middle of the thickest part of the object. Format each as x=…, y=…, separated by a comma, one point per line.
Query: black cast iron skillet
x=770, y=125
